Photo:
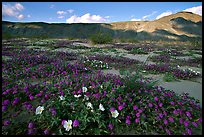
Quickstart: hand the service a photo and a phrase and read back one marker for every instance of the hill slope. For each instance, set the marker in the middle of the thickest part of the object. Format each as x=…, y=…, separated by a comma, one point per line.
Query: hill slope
x=179, y=26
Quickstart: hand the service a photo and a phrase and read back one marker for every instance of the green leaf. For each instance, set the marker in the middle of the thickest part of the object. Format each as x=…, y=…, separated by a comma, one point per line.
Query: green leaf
x=60, y=132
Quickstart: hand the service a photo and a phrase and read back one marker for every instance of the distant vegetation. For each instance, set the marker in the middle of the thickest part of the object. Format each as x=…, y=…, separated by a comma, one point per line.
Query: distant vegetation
x=101, y=38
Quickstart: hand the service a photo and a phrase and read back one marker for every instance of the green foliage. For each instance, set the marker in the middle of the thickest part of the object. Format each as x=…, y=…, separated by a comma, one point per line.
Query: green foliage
x=138, y=51
x=101, y=38
x=168, y=77
x=128, y=40
x=6, y=36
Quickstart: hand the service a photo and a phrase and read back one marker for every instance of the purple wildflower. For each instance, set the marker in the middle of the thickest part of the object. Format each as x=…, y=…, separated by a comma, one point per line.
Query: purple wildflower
x=137, y=120
x=30, y=125
x=75, y=123
x=160, y=126
x=160, y=104
x=181, y=121
x=171, y=119
x=135, y=107
x=140, y=110
x=110, y=126
x=186, y=123
x=165, y=121
x=16, y=100
x=168, y=131
x=150, y=105
x=172, y=103
x=156, y=98
x=96, y=95
x=120, y=107
x=128, y=121
x=6, y=102
x=31, y=131
x=112, y=109
x=175, y=112
x=195, y=124
x=87, y=94
x=160, y=115
x=31, y=97
x=188, y=114
x=63, y=122
x=165, y=113
x=4, y=108
x=138, y=115
x=46, y=131
x=189, y=131
x=7, y=122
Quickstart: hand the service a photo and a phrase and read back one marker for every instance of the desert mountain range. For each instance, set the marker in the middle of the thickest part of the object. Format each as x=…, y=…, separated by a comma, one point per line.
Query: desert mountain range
x=179, y=26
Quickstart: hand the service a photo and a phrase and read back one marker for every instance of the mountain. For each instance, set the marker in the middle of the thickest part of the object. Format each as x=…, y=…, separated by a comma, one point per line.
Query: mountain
x=179, y=26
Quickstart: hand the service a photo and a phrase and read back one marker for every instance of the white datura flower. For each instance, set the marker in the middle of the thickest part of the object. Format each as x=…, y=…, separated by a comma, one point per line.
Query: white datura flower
x=68, y=125
x=101, y=107
x=62, y=97
x=84, y=89
x=39, y=110
x=77, y=96
x=115, y=114
x=89, y=105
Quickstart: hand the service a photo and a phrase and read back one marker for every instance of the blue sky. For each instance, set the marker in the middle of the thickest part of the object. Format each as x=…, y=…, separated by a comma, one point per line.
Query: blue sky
x=93, y=12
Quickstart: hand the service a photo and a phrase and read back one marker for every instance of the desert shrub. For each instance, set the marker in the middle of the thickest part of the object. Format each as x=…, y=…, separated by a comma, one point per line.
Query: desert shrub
x=101, y=38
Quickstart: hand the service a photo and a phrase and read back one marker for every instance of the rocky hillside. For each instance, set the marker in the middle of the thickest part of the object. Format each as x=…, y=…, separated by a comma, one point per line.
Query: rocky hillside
x=179, y=26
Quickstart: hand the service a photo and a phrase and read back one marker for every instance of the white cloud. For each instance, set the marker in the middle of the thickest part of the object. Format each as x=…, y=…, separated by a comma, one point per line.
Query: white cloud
x=29, y=16
x=166, y=13
x=196, y=10
x=52, y=6
x=20, y=17
x=70, y=11
x=13, y=11
x=60, y=17
x=19, y=7
x=135, y=19
x=149, y=15
x=61, y=12
x=86, y=18
x=107, y=17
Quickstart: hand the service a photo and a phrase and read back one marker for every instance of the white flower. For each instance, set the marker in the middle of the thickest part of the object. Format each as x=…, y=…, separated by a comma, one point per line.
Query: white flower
x=68, y=125
x=178, y=66
x=77, y=96
x=101, y=86
x=89, y=105
x=39, y=110
x=101, y=107
x=115, y=114
x=86, y=97
x=84, y=89
x=62, y=97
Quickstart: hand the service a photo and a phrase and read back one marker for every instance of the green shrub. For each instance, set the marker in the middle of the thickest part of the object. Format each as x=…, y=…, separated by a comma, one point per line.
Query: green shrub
x=101, y=38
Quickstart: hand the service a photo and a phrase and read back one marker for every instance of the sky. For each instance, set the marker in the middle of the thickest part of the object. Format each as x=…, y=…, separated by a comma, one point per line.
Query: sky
x=93, y=12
